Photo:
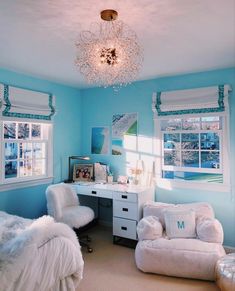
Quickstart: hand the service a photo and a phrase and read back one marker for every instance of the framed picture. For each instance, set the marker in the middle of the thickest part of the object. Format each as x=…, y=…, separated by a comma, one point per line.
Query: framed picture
x=124, y=124
x=100, y=171
x=82, y=172
x=100, y=140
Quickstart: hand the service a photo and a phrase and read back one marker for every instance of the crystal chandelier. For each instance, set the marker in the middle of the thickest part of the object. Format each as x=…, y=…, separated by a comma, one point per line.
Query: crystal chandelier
x=109, y=54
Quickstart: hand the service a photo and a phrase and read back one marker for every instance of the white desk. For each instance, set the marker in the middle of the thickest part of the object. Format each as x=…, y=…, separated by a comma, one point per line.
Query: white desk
x=128, y=201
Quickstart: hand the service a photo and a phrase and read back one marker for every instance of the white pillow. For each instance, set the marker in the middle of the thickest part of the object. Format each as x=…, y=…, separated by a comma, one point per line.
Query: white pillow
x=210, y=230
x=180, y=223
x=150, y=228
x=157, y=209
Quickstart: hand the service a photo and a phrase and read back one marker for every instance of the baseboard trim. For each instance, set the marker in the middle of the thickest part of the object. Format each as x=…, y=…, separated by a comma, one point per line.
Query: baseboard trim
x=229, y=249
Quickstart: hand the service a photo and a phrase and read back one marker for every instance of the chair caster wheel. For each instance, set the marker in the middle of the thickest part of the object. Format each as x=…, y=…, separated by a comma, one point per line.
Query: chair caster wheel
x=90, y=250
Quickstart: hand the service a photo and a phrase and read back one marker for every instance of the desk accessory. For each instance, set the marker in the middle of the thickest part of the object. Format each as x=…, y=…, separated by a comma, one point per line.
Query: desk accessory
x=82, y=172
x=81, y=158
x=101, y=172
x=122, y=179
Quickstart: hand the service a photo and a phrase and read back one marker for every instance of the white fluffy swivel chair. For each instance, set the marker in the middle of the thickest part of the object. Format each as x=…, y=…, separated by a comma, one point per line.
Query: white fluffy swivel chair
x=63, y=205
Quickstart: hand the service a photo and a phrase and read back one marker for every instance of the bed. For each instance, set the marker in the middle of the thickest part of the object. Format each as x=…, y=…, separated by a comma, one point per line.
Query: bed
x=38, y=255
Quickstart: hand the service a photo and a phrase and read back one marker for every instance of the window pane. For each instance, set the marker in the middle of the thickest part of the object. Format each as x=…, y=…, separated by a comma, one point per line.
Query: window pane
x=171, y=141
x=9, y=130
x=210, y=118
x=171, y=124
x=209, y=141
x=211, y=123
x=25, y=150
x=191, y=123
x=171, y=158
x=190, y=176
x=168, y=174
x=39, y=167
x=190, y=159
x=25, y=168
x=11, y=169
x=11, y=150
x=210, y=160
x=36, y=131
x=38, y=150
x=23, y=130
x=190, y=141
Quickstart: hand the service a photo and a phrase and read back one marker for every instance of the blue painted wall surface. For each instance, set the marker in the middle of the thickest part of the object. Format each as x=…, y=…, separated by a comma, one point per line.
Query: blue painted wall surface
x=72, y=135
x=100, y=104
x=30, y=202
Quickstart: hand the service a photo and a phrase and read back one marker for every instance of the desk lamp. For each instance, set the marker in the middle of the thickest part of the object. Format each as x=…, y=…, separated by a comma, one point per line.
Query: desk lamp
x=81, y=158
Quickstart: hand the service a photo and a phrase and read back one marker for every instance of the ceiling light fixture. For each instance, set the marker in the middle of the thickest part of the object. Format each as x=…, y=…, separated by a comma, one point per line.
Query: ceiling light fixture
x=109, y=54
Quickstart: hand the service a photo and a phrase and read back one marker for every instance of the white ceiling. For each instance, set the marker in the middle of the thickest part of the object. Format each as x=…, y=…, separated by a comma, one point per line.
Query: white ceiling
x=178, y=36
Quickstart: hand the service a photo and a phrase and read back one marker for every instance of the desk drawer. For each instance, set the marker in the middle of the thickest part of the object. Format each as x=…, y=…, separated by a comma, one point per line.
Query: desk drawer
x=86, y=190
x=124, y=228
x=125, y=210
x=122, y=196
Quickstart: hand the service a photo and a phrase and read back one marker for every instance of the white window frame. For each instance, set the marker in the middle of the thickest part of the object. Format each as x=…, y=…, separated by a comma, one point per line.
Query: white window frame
x=224, y=152
x=22, y=182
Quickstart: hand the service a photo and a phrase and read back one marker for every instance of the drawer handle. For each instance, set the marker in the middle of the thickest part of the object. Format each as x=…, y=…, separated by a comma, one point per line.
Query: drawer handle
x=125, y=209
x=93, y=192
x=124, y=228
x=124, y=196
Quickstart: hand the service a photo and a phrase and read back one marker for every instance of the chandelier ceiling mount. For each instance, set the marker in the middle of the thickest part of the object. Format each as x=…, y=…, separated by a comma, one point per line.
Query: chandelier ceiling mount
x=109, y=15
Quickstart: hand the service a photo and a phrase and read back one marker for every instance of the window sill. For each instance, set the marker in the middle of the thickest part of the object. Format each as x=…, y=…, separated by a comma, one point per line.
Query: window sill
x=25, y=184
x=170, y=185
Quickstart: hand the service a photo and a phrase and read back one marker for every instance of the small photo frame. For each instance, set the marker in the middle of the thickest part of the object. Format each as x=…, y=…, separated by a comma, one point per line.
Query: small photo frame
x=82, y=172
x=100, y=172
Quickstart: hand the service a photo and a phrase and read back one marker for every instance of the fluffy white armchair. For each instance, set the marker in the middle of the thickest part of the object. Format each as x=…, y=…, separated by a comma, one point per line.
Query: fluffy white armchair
x=63, y=204
x=183, y=240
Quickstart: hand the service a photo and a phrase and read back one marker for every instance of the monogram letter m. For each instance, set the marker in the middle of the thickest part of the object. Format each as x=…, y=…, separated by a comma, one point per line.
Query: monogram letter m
x=180, y=224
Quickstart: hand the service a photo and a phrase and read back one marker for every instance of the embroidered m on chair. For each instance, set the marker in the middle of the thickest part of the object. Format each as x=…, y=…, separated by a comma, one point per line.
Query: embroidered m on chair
x=180, y=224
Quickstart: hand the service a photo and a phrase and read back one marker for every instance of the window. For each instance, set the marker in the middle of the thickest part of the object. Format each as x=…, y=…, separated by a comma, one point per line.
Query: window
x=192, y=145
x=26, y=151
x=26, y=125
x=192, y=148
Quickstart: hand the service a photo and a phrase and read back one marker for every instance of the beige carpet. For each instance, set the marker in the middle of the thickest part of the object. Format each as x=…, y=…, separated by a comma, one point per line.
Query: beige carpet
x=112, y=268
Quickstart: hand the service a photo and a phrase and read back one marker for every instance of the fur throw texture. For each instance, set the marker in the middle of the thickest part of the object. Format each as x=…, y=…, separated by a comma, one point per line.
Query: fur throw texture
x=19, y=240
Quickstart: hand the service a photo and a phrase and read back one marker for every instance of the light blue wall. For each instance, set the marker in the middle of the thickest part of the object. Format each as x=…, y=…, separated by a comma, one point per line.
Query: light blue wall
x=100, y=104
x=30, y=202
x=72, y=132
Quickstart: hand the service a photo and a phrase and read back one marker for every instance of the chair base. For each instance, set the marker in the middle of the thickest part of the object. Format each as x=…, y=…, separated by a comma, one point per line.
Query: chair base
x=84, y=240
x=179, y=257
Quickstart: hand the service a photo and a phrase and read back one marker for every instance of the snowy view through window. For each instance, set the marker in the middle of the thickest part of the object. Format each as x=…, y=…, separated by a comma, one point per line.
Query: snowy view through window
x=25, y=146
x=191, y=149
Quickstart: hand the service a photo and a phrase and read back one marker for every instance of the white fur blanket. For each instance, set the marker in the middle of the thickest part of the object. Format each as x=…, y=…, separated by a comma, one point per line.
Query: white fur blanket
x=19, y=240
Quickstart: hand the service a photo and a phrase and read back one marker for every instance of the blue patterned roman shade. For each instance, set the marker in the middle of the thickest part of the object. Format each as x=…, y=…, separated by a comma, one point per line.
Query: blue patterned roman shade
x=23, y=103
x=192, y=101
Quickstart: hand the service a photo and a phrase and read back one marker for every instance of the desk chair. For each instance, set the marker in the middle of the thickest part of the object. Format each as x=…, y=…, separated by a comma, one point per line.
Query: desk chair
x=63, y=204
